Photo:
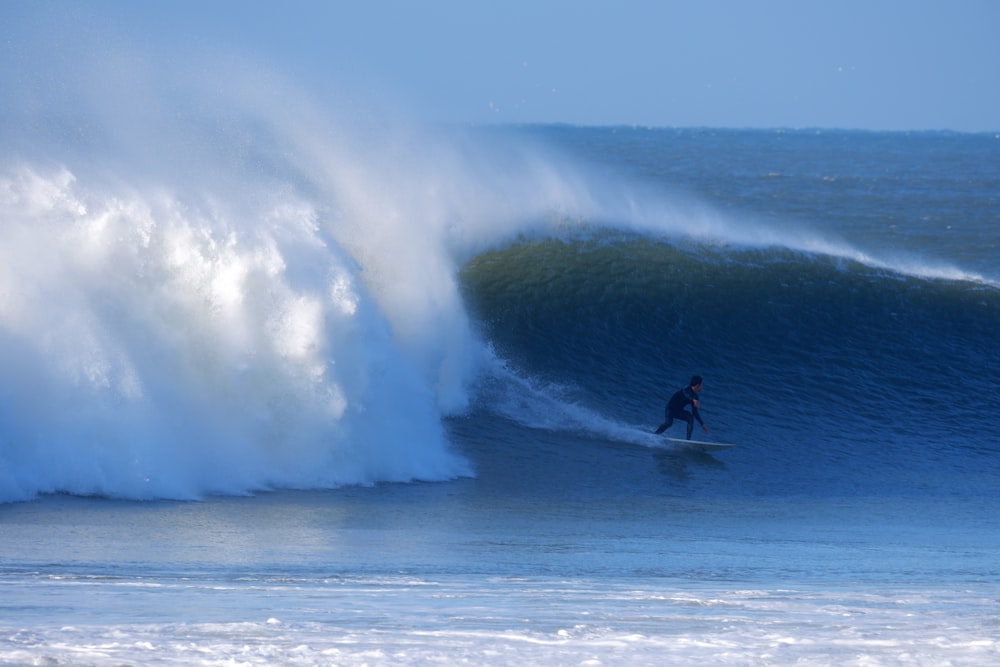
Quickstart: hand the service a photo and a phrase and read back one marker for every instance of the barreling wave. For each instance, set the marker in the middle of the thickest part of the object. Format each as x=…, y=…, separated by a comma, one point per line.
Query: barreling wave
x=261, y=296
x=804, y=354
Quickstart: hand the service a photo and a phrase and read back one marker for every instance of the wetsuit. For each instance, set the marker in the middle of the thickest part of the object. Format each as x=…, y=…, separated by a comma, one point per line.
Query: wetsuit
x=675, y=410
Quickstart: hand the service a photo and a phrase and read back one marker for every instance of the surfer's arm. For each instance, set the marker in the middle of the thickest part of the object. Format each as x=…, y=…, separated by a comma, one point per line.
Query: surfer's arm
x=694, y=411
x=697, y=414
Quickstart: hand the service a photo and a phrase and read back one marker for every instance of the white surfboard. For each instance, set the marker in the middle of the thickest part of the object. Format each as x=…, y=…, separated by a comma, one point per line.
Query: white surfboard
x=703, y=446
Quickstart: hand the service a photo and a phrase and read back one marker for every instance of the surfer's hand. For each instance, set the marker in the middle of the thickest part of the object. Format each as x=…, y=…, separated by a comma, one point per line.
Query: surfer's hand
x=704, y=427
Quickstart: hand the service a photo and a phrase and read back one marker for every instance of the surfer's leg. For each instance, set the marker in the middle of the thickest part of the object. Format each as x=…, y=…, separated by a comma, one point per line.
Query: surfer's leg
x=667, y=420
x=665, y=425
x=689, y=418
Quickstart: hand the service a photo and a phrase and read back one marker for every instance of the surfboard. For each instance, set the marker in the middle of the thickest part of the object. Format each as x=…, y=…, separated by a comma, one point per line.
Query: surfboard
x=702, y=446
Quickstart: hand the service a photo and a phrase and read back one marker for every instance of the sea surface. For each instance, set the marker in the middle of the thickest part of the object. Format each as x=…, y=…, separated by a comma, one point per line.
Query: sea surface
x=279, y=390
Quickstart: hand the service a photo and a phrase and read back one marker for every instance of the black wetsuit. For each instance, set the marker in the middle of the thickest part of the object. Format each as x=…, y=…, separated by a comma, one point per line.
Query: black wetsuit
x=675, y=410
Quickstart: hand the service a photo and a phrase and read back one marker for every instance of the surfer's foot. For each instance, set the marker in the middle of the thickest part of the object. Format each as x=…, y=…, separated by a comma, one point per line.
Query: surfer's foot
x=661, y=429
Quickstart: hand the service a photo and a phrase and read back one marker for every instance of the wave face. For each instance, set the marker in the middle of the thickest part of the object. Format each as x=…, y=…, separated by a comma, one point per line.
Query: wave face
x=231, y=289
x=839, y=294
x=835, y=377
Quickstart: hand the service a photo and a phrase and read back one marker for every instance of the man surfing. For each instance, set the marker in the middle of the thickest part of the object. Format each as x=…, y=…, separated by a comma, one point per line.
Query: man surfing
x=680, y=400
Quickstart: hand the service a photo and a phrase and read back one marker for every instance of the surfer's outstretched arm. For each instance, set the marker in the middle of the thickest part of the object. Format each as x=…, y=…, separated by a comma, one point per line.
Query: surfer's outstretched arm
x=697, y=415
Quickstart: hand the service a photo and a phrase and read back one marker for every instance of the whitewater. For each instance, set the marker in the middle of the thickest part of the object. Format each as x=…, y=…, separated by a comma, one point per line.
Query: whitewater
x=293, y=383
x=162, y=328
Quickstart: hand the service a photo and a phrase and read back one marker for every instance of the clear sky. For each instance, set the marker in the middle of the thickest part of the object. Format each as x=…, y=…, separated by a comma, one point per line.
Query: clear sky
x=871, y=64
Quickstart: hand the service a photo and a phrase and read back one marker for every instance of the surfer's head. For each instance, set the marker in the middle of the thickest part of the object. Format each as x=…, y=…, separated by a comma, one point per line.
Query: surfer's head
x=695, y=381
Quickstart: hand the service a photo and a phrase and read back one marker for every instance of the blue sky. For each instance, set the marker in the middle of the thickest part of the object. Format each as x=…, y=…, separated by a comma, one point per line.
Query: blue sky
x=872, y=64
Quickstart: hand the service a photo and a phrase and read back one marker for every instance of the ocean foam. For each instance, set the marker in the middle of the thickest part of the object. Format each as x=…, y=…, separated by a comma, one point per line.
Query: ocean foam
x=538, y=622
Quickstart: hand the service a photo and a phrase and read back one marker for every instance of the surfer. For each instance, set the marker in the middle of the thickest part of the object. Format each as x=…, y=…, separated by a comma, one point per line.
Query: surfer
x=681, y=399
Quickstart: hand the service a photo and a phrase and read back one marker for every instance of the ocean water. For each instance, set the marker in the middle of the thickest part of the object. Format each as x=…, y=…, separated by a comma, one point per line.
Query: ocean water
x=285, y=390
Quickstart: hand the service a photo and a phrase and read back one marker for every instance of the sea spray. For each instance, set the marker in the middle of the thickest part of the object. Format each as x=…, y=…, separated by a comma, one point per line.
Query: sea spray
x=152, y=348
x=227, y=289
